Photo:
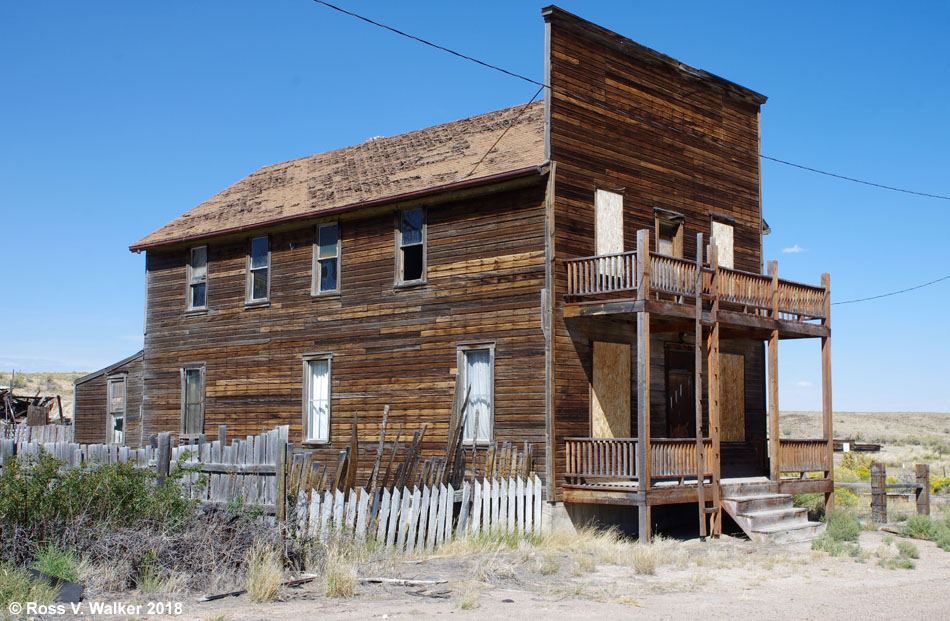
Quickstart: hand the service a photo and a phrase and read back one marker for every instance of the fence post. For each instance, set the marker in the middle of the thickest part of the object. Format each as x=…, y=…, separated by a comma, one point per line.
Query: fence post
x=878, y=493
x=163, y=459
x=281, y=500
x=923, y=489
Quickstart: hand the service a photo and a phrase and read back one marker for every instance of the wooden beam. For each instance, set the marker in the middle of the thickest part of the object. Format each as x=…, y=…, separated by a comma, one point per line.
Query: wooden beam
x=826, y=410
x=698, y=387
x=772, y=369
x=643, y=381
x=713, y=353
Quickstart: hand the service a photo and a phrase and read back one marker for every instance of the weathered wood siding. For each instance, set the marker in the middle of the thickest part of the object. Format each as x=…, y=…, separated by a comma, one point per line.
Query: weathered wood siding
x=597, y=147
x=389, y=346
x=91, y=409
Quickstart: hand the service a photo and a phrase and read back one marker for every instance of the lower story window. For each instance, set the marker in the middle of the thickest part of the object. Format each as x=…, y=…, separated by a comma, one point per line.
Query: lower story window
x=116, y=404
x=317, y=398
x=192, y=400
x=476, y=363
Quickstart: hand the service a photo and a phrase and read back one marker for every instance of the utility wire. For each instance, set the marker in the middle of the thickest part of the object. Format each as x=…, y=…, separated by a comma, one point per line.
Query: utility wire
x=885, y=295
x=510, y=125
x=627, y=113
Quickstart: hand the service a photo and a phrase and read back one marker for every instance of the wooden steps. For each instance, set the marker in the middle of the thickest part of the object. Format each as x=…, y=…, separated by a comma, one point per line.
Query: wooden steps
x=765, y=515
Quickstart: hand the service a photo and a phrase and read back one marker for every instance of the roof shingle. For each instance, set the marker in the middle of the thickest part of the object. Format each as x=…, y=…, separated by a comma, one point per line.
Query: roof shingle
x=377, y=169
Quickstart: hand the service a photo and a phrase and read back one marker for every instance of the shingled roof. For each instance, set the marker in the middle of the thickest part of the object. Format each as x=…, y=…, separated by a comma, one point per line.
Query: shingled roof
x=377, y=170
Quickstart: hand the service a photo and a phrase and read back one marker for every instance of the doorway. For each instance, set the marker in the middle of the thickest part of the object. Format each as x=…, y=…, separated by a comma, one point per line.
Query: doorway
x=680, y=392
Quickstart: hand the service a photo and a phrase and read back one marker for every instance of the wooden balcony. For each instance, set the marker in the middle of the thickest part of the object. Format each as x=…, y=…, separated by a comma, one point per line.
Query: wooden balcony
x=603, y=460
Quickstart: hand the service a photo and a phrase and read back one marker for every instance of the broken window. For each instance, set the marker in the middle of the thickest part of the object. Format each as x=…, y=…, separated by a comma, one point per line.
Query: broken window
x=116, y=405
x=411, y=240
x=192, y=400
x=669, y=235
x=476, y=363
x=198, y=278
x=258, y=275
x=317, y=398
x=326, y=256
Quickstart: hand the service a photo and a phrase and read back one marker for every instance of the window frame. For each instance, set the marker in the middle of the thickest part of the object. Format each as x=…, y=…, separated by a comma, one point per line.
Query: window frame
x=249, y=271
x=315, y=289
x=729, y=221
x=110, y=413
x=461, y=350
x=189, y=284
x=305, y=422
x=201, y=367
x=669, y=218
x=400, y=281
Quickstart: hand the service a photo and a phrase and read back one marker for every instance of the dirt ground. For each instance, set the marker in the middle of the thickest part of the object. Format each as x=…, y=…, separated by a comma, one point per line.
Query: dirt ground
x=717, y=579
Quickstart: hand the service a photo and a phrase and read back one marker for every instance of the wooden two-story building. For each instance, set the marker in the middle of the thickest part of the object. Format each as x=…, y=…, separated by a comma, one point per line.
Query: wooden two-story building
x=588, y=268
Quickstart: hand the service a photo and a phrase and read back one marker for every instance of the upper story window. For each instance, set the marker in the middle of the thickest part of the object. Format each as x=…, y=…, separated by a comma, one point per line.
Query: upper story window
x=198, y=278
x=608, y=222
x=411, y=247
x=115, y=431
x=258, y=270
x=326, y=259
x=722, y=233
x=669, y=233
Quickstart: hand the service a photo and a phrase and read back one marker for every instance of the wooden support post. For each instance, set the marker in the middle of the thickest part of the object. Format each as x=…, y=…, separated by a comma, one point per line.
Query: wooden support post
x=713, y=353
x=923, y=489
x=878, y=493
x=826, y=410
x=163, y=458
x=643, y=383
x=698, y=388
x=775, y=467
x=281, y=500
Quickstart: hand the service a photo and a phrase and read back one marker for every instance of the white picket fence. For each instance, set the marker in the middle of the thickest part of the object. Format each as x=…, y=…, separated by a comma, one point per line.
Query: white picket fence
x=420, y=519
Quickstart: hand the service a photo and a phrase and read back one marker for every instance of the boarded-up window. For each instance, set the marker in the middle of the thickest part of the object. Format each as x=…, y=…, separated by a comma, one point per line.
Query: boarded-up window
x=317, y=398
x=477, y=365
x=116, y=397
x=610, y=391
x=732, y=397
x=722, y=233
x=608, y=225
x=192, y=400
x=669, y=236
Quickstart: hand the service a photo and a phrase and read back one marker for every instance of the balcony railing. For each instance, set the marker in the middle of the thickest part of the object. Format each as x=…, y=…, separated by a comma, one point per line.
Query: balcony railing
x=801, y=456
x=606, y=275
x=615, y=459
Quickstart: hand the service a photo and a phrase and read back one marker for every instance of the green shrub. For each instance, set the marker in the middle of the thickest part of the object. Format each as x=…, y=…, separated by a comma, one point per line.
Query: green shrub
x=815, y=503
x=842, y=525
x=919, y=527
x=906, y=549
x=939, y=484
x=16, y=585
x=835, y=547
x=943, y=540
x=52, y=560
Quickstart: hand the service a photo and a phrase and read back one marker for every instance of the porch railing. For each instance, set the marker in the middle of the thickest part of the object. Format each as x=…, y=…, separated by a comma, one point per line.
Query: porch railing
x=614, y=273
x=803, y=456
x=616, y=458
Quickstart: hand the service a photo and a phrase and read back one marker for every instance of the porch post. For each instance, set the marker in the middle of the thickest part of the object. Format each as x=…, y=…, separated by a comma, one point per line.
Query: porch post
x=643, y=384
x=826, y=391
x=713, y=352
x=775, y=471
x=698, y=388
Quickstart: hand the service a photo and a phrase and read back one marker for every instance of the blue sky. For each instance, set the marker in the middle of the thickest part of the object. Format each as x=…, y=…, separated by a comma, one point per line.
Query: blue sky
x=116, y=117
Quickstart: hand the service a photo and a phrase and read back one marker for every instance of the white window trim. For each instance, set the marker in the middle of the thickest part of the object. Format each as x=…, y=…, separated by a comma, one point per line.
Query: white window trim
x=188, y=283
x=115, y=379
x=249, y=280
x=202, y=368
x=400, y=281
x=305, y=428
x=315, y=290
x=460, y=366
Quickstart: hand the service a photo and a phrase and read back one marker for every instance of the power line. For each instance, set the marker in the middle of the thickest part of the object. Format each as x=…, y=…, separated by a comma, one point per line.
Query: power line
x=510, y=125
x=885, y=295
x=638, y=117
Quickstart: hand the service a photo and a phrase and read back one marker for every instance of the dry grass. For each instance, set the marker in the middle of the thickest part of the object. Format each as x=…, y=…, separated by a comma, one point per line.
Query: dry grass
x=339, y=575
x=264, y=574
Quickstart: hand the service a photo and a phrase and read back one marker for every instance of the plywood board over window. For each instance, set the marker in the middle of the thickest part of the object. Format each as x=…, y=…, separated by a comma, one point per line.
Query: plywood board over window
x=722, y=233
x=732, y=397
x=610, y=391
x=608, y=226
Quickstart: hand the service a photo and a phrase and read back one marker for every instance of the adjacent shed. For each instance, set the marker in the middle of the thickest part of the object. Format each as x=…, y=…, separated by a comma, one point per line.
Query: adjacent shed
x=107, y=403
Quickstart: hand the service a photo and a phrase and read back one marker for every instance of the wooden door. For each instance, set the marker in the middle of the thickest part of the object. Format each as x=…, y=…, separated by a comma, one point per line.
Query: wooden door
x=610, y=391
x=731, y=397
x=680, y=395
